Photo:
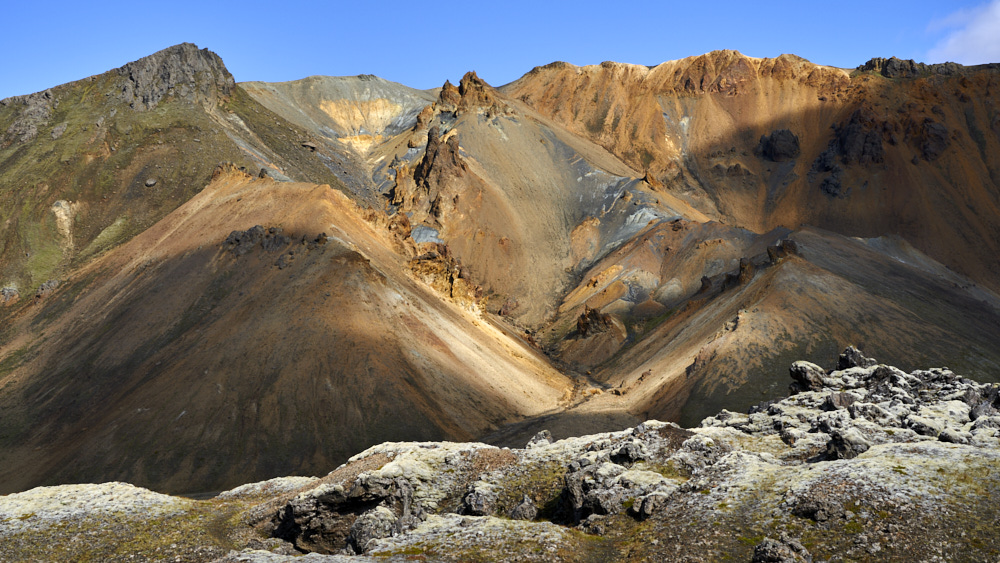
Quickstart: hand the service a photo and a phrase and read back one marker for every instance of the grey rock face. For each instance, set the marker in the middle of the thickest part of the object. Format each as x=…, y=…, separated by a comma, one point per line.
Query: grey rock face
x=377, y=523
x=34, y=111
x=479, y=501
x=807, y=375
x=46, y=288
x=9, y=295
x=183, y=71
x=524, y=511
x=780, y=551
x=846, y=444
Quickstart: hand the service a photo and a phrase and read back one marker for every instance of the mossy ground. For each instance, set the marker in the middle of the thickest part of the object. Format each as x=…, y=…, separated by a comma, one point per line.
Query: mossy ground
x=203, y=532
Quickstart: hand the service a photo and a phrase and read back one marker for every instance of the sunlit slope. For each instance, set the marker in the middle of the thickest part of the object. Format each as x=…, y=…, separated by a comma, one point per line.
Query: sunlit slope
x=87, y=165
x=876, y=151
x=178, y=362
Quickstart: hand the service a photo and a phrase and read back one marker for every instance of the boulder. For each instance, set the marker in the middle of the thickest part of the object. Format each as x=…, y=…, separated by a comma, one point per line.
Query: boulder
x=377, y=523
x=480, y=500
x=784, y=550
x=526, y=510
x=9, y=295
x=542, y=438
x=846, y=444
x=780, y=146
x=853, y=358
x=807, y=375
x=836, y=401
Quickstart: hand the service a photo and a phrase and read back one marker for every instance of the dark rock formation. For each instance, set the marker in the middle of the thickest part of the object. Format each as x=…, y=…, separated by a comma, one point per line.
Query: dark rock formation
x=853, y=358
x=479, y=501
x=336, y=518
x=182, y=71
x=846, y=444
x=592, y=321
x=859, y=141
x=747, y=271
x=933, y=140
x=706, y=284
x=908, y=68
x=242, y=242
x=781, y=145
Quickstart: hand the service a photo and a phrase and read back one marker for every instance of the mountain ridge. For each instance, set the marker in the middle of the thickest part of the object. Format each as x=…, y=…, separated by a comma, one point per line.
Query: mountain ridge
x=552, y=273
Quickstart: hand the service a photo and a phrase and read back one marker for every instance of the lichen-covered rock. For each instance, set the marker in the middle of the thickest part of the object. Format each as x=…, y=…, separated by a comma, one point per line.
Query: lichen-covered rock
x=524, y=511
x=863, y=462
x=784, y=550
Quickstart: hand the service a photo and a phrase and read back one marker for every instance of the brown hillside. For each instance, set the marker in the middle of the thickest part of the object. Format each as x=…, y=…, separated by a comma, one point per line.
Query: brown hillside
x=181, y=362
x=916, y=156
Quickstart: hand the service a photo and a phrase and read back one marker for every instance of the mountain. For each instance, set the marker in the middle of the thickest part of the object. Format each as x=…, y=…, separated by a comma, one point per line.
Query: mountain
x=207, y=283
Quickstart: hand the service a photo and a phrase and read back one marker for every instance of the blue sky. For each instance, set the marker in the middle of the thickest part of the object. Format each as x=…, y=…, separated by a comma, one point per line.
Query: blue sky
x=421, y=44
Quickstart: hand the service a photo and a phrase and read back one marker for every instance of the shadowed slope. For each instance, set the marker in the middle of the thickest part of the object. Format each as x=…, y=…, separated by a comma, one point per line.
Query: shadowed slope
x=916, y=156
x=177, y=363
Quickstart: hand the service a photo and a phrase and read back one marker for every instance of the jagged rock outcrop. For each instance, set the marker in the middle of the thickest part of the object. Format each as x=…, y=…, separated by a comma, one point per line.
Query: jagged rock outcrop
x=908, y=68
x=183, y=71
x=33, y=111
x=780, y=146
x=271, y=239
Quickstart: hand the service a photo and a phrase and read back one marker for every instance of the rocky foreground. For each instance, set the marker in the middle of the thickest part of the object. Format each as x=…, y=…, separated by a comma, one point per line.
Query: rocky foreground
x=864, y=462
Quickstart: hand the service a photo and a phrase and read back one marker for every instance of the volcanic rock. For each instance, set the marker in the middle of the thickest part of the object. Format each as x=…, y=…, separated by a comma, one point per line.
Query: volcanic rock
x=182, y=70
x=781, y=145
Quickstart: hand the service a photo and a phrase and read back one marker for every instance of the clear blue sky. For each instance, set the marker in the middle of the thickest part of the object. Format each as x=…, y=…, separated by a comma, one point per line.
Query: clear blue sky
x=421, y=44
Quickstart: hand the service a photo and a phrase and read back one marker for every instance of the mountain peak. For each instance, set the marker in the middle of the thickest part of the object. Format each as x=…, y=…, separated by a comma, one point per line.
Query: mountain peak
x=182, y=70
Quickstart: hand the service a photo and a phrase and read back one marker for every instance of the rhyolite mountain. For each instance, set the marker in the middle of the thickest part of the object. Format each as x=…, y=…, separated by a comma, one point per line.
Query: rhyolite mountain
x=208, y=282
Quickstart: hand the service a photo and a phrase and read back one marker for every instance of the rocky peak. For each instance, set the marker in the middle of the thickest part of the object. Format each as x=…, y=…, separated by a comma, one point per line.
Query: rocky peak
x=184, y=71
x=908, y=68
x=33, y=110
x=473, y=94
